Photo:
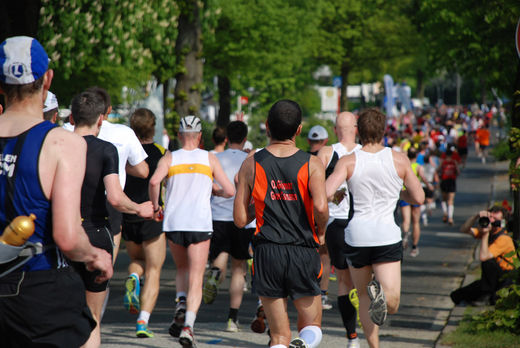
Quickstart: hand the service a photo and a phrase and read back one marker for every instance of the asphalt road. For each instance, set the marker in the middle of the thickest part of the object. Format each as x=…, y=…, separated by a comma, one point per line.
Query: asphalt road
x=427, y=281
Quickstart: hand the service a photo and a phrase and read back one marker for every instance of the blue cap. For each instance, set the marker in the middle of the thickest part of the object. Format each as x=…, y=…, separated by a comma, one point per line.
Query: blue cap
x=22, y=60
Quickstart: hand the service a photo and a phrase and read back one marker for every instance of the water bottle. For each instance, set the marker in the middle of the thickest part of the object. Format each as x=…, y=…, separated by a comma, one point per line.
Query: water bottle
x=19, y=230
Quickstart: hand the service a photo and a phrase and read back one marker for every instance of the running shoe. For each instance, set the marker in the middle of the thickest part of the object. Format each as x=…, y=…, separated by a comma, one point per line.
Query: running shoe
x=258, y=324
x=298, y=343
x=131, y=299
x=142, y=330
x=325, y=303
x=178, y=320
x=354, y=300
x=353, y=343
x=377, y=309
x=210, y=290
x=232, y=326
x=414, y=252
x=186, y=338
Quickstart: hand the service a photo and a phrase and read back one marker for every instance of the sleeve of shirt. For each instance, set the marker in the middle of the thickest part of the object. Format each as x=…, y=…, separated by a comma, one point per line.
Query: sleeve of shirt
x=501, y=246
x=110, y=160
x=475, y=233
x=136, y=154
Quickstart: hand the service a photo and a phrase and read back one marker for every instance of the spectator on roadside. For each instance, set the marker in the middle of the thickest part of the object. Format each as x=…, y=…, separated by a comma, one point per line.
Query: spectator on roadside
x=495, y=249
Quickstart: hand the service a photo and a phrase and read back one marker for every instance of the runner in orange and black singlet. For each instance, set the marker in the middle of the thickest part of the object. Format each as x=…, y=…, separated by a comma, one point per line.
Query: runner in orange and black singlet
x=281, y=193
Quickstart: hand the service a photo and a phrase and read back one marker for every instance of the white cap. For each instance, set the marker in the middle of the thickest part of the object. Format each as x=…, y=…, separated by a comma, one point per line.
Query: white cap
x=51, y=102
x=190, y=124
x=318, y=133
x=22, y=60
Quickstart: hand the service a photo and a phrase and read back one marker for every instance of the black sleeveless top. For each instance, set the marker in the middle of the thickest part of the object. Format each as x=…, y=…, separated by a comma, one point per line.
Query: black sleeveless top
x=283, y=204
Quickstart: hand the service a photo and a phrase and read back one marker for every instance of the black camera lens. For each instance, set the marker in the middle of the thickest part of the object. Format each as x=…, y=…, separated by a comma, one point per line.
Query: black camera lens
x=483, y=221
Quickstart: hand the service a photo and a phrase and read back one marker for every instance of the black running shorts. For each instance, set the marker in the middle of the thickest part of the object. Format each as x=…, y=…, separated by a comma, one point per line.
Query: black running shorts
x=115, y=218
x=100, y=237
x=141, y=231
x=428, y=193
x=358, y=257
x=335, y=240
x=448, y=185
x=49, y=310
x=281, y=271
x=185, y=238
x=230, y=239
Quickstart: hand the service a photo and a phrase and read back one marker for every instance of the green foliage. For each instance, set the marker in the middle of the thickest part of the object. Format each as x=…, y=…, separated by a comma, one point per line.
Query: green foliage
x=506, y=314
x=479, y=42
x=501, y=151
x=110, y=43
x=466, y=336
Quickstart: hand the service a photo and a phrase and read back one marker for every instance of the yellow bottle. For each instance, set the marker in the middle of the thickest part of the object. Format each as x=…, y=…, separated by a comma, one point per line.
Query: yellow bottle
x=19, y=230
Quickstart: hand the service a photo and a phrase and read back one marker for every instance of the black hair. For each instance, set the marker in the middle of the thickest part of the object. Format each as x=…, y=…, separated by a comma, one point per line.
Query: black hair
x=105, y=97
x=284, y=118
x=86, y=108
x=236, y=132
x=219, y=135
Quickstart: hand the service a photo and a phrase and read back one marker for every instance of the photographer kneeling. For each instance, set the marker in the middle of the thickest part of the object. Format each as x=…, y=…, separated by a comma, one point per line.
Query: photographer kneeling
x=495, y=244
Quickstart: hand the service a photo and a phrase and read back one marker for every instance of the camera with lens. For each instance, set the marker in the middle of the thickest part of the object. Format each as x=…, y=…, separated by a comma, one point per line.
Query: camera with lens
x=483, y=221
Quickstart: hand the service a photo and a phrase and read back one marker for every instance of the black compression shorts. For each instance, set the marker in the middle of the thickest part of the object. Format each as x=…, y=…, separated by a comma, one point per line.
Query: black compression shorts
x=335, y=239
x=448, y=185
x=115, y=218
x=281, y=271
x=230, y=239
x=50, y=309
x=141, y=231
x=100, y=237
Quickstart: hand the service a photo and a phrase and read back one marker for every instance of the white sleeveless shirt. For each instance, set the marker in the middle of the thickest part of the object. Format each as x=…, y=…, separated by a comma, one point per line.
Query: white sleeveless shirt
x=340, y=210
x=230, y=160
x=375, y=186
x=188, y=192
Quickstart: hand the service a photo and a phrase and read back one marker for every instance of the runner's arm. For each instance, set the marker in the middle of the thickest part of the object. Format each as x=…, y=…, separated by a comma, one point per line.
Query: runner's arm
x=242, y=209
x=140, y=170
x=319, y=198
x=337, y=177
x=160, y=173
x=120, y=201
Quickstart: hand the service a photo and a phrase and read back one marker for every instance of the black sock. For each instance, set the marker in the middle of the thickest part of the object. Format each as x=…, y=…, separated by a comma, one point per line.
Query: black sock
x=348, y=315
x=233, y=314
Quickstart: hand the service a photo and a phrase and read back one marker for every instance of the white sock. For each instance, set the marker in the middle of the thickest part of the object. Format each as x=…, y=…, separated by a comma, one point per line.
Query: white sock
x=444, y=207
x=311, y=335
x=144, y=316
x=279, y=346
x=432, y=205
x=190, y=319
x=451, y=208
x=135, y=274
x=181, y=294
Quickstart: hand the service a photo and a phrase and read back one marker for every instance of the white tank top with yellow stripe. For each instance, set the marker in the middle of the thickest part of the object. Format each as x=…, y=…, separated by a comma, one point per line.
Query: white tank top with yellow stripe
x=188, y=192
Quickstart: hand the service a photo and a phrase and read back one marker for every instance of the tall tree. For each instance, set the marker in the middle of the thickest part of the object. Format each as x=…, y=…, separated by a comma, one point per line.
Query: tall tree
x=369, y=37
x=188, y=53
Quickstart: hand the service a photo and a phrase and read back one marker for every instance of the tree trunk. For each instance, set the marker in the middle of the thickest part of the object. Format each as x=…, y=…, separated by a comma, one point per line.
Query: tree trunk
x=224, y=99
x=345, y=69
x=420, y=85
x=188, y=53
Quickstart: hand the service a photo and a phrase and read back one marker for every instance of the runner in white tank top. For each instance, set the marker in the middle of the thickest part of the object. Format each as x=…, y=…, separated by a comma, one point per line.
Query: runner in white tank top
x=339, y=213
x=375, y=177
x=187, y=219
x=188, y=192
